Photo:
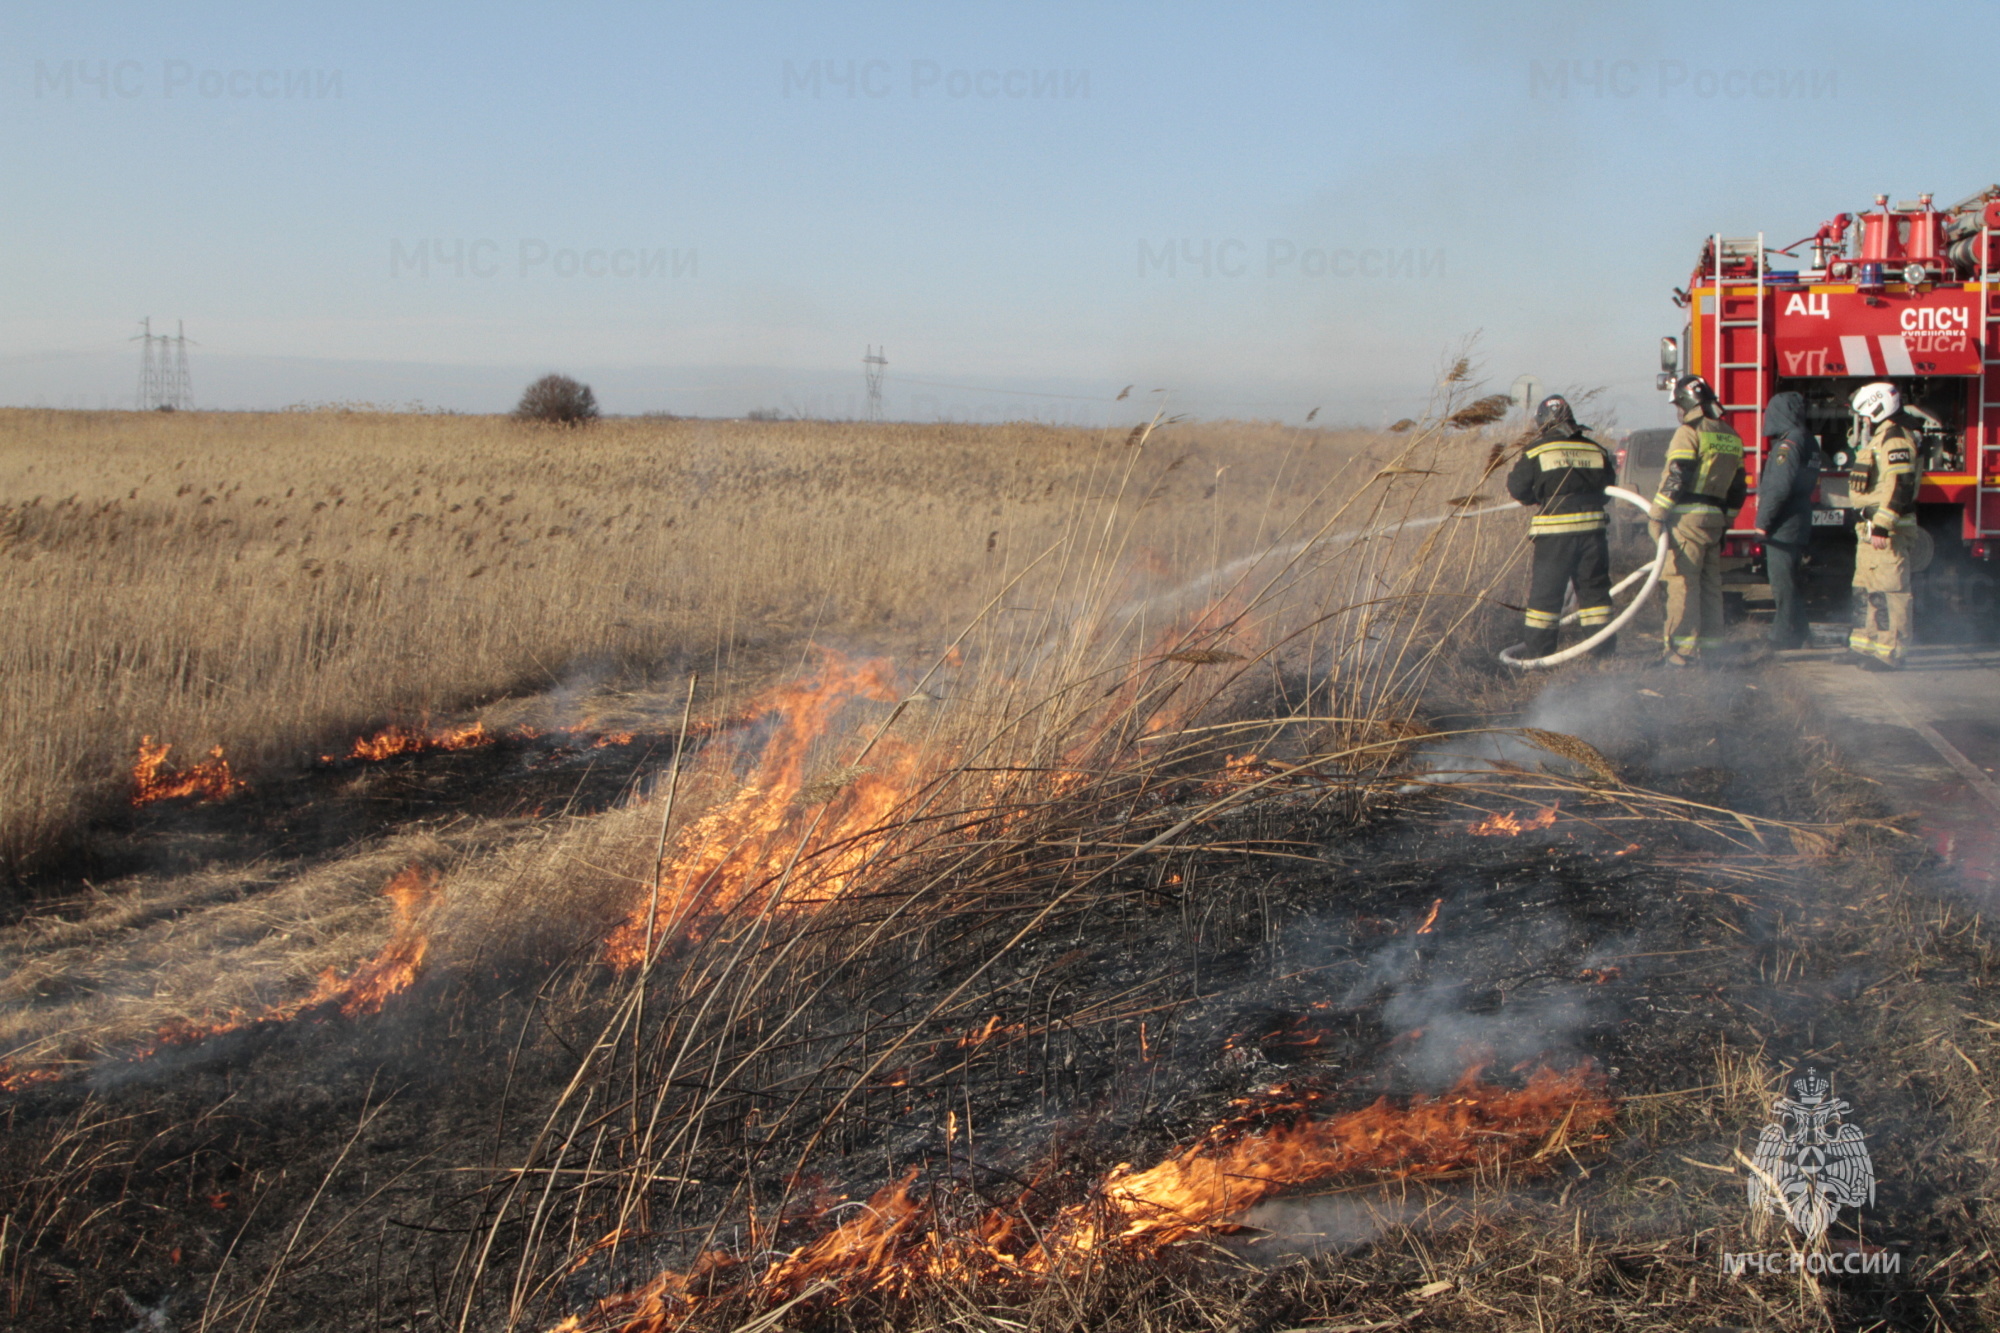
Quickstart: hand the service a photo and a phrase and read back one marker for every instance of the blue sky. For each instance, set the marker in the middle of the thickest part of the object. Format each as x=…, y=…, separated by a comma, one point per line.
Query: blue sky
x=707, y=209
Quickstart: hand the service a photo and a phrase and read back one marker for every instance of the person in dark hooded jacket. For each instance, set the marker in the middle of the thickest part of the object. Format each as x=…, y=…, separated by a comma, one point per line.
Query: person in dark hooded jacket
x=1784, y=513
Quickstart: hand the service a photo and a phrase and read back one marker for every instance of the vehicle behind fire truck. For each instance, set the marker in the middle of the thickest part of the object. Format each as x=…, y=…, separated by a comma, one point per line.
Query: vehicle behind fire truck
x=1906, y=294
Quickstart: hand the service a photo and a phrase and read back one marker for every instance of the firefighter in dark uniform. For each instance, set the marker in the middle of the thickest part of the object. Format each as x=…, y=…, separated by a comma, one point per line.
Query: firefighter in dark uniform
x=1883, y=486
x=1700, y=487
x=1784, y=514
x=1562, y=473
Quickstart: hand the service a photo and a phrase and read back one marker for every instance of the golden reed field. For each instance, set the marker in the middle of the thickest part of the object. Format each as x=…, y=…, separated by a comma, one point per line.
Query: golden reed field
x=687, y=875
x=272, y=583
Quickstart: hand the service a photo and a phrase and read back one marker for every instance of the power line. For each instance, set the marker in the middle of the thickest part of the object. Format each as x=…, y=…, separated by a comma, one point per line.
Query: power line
x=872, y=366
x=1019, y=393
x=1087, y=397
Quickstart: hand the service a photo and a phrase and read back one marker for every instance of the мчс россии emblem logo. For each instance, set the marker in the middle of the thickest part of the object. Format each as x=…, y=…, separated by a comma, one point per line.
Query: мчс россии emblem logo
x=1811, y=1162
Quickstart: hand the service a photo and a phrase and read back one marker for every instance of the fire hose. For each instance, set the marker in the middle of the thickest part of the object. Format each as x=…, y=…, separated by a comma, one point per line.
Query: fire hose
x=1650, y=572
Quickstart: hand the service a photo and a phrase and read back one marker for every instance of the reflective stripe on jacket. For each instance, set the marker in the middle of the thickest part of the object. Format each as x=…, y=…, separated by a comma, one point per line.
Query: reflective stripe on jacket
x=1704, y=469
x=1564, y=478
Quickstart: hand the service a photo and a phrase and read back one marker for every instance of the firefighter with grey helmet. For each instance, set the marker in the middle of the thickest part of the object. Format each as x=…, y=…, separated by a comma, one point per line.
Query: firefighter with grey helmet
x=1562, y=473
x=1882, y=486
x=1701, y=485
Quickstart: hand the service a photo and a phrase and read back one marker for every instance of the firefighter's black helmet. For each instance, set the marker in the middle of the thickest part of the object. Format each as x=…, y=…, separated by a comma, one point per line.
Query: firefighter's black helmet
x=1690, y=392
x=1553, y=412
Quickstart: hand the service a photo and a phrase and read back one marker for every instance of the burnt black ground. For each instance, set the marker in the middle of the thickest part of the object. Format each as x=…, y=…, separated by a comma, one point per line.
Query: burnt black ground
x=1246, y=969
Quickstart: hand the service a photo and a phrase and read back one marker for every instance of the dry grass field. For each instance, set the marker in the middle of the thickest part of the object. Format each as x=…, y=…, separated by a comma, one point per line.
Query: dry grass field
x=1076, y=848
x=274, y=584
x=277, y=586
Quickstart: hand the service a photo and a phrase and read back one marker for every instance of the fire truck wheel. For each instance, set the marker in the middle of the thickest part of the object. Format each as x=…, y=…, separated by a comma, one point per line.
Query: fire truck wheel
x=1923, y=550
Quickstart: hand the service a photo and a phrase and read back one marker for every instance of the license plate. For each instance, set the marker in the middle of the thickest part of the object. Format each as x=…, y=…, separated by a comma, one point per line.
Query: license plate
x=1829, y=518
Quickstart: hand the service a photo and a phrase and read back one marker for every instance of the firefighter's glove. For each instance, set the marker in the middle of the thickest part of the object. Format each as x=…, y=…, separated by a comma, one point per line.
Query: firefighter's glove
x=1655, y=530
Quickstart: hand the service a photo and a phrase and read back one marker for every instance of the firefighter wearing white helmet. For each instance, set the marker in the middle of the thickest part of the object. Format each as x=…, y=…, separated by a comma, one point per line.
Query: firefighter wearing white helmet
x=1883, y=487
x=1701, y=485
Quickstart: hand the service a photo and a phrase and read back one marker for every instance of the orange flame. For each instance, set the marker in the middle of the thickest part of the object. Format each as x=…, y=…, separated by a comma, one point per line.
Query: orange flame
x=1266, y=1146
x=1240, y=770
x=993, y=1028
x=399, y=739
x=394, y=967
x=396, y=739
x=1430, y=920
x=1226, y=1171
x=209, y=780
x=13, y=1080
x=752, y=841
x=212, y=779
x=1510, y=826
x=363, y=991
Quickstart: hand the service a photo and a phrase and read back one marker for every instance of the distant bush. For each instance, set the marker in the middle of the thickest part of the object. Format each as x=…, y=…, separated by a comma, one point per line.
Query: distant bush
x=557, y=399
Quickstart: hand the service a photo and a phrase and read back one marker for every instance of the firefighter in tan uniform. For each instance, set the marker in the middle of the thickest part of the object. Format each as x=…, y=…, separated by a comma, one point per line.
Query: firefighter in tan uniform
x=1883, y=486
x=1700, y=487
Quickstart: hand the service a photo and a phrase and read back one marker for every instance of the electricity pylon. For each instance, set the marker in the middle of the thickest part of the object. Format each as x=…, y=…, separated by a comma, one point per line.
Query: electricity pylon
x=163, y=376
x=872, y=365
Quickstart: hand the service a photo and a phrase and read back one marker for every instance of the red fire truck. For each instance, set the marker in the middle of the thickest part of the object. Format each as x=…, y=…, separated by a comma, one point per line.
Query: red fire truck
x=1909, y=294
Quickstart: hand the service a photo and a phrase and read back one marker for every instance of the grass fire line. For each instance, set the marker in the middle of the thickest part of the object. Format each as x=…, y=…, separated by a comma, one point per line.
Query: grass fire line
x=209, y=780
x=759, y=838
x=740, y=846
x=897, y=1243
x=363, y=990
x=212, y=779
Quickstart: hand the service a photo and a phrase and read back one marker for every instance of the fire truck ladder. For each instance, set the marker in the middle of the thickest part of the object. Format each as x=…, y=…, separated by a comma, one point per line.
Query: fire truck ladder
x=1742, y=247
x=1983, y=466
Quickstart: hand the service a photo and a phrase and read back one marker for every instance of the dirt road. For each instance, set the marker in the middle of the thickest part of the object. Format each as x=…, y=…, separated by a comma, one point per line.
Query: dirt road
x=1930, y=735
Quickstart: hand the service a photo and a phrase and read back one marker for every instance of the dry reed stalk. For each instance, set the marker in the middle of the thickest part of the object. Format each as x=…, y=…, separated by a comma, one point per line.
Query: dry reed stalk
x=1481, y=412
x=1203, y=656
x=1813, y=845
x=1574, y=749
